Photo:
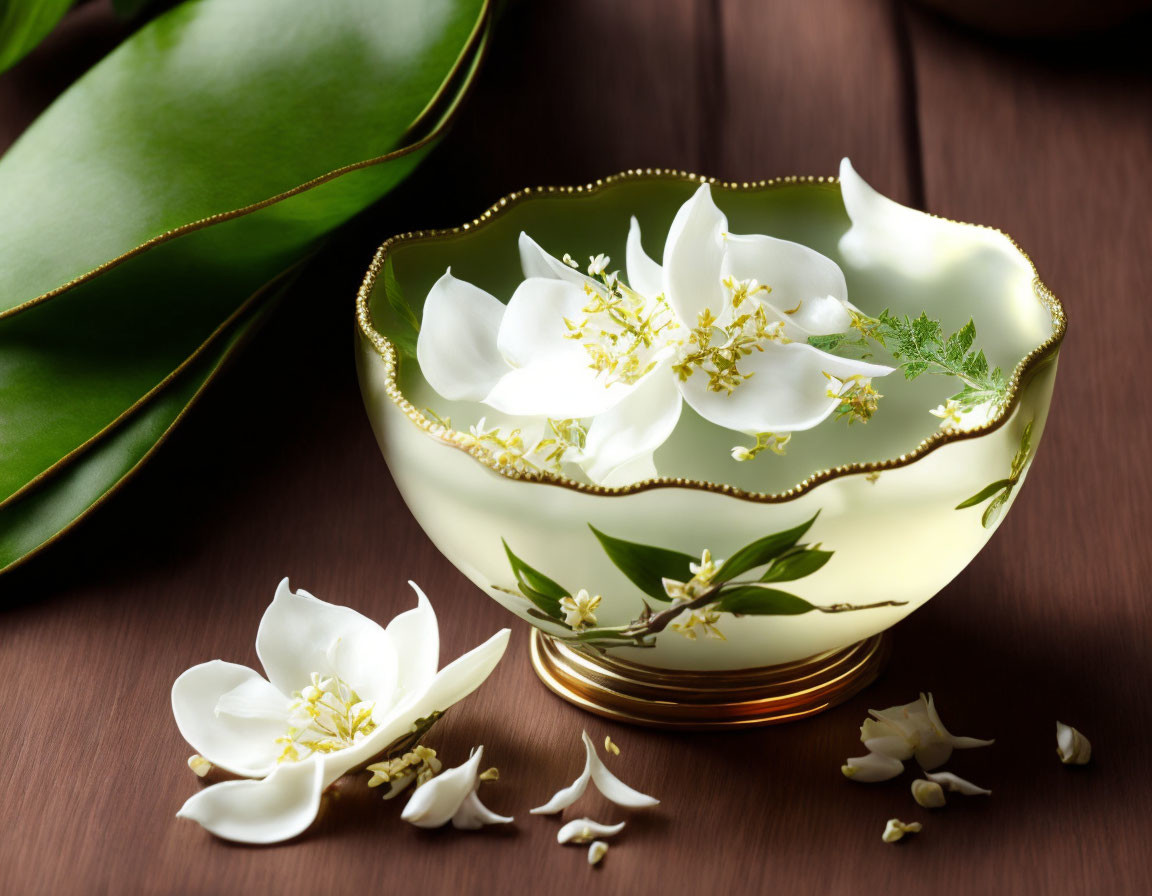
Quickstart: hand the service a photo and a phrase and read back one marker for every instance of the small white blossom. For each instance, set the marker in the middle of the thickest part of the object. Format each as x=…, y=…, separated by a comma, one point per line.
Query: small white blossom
x=570, y=261
x=697, y=621
x=1072, y=747
x=949, y=414
x=896, y=829
x=580, y=610
x=957, y=784
x=915, y=729
x=583, y=830
x=598, y=264
x=928, y=794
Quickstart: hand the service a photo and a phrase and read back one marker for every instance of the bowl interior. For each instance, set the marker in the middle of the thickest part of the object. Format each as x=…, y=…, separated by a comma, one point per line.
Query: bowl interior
x=990, y=282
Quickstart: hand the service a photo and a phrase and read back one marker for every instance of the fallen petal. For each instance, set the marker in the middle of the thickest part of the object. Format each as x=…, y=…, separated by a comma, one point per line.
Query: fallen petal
x=872, y=768
x=437, y=802
x=473, y=815
x=896, y=829
x=611, y=786
x=957, y=784
x=928, y=794
x=581, y=830
x=597, y=851
x=564, y=798
x=1072, y=747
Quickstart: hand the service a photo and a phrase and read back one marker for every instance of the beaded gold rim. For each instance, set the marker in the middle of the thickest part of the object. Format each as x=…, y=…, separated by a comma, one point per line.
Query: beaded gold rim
x=387, y=352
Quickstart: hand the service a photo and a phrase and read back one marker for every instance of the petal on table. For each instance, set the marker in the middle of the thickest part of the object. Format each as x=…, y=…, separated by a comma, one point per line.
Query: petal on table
x=300, y=634
x=435, y=802
x=787, y=391
x=415, y=636
x=645, y=276
x=276, y=808
x=243, y=743
x=621, y=441
x=693, y=255
x=456, y=347
x=808, y=288
x=611, y=786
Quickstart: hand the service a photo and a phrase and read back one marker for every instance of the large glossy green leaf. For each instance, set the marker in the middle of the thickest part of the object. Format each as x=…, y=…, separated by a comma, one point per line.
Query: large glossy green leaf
x=235, y=204
x=23, y=24
x=536, y=586
x=761, y=551
x=753, y=600
x=644, y=565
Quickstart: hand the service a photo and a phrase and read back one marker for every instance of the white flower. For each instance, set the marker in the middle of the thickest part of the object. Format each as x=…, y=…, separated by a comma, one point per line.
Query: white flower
x=872, y=768
x=928, y=794
x=606, y=782
x=703, y=619
x=895, y=829
x=949, y=414
x=699, y=328
x=914, y=729
x=1072, y=747
x=597, y=851
x=957, y=784
x=451, y=796
x=582, y=830
x=597, y=265
x=340, y=690
x=580, y=610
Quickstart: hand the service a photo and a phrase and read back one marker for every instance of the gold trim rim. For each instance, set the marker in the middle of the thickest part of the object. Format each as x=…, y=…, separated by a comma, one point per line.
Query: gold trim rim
x=1023, y=370
x=769, y=695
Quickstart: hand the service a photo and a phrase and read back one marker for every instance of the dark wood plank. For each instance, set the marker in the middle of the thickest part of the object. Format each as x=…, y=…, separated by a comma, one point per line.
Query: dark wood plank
x=276, y=473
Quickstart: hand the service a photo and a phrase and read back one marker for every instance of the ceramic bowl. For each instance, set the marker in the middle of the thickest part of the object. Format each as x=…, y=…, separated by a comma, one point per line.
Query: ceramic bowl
x=882, y=498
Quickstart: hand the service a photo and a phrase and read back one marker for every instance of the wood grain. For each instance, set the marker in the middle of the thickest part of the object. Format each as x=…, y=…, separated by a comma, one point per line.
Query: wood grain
x=276, y=473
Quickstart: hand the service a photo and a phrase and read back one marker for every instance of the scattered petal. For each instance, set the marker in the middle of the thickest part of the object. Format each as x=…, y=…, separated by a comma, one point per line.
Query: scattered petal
x=597, y=851
x=872, y=768
x=957, y=784
x=199, y=764
x=581, y=830
x=606, y=782
x=491, y=774
x=1072, y=747
x=928, y=794
x=914, y=729
x=452, y=797
x=565, y=797
x=896, y=829
x=473, y=815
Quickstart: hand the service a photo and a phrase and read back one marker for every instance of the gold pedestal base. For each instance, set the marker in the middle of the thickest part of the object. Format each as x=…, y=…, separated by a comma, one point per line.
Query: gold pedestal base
x=742, y=698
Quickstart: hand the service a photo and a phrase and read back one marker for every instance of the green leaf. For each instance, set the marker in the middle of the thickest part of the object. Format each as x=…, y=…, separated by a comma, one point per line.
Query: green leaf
x=985, y=493
x=536, y=586
x=796, y=565
x=761, y=551
x=24, y=23
x=644, y=565
x=183, y=173
x=992, y=512
x=752, y=600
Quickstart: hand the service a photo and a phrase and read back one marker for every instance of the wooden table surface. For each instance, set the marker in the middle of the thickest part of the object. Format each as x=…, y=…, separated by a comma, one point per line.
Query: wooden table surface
x=276, y=473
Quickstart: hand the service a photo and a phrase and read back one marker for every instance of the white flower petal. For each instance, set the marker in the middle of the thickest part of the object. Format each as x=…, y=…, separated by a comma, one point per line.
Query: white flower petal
x=456, y=347
x=960, y=743
x=1072, y=747
x=645, y=276
x=928, y=794
x=276, y=808
x=533, y=328
x=951, y=782
x=920, y=246
x=895, y=830
x=933, y=752
x=693, y=255
x=632, y=430
x=611, y=786
x=583, y=830
x=597, y=851
x=473, y=814
x=787, y=391
x=880, y=737
x=809, y=285
x=415, y=636
x=242, y=744
x=555, y=388
x=872, y=768
x=538, y=263
x=300, y=634
x=566, y=796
